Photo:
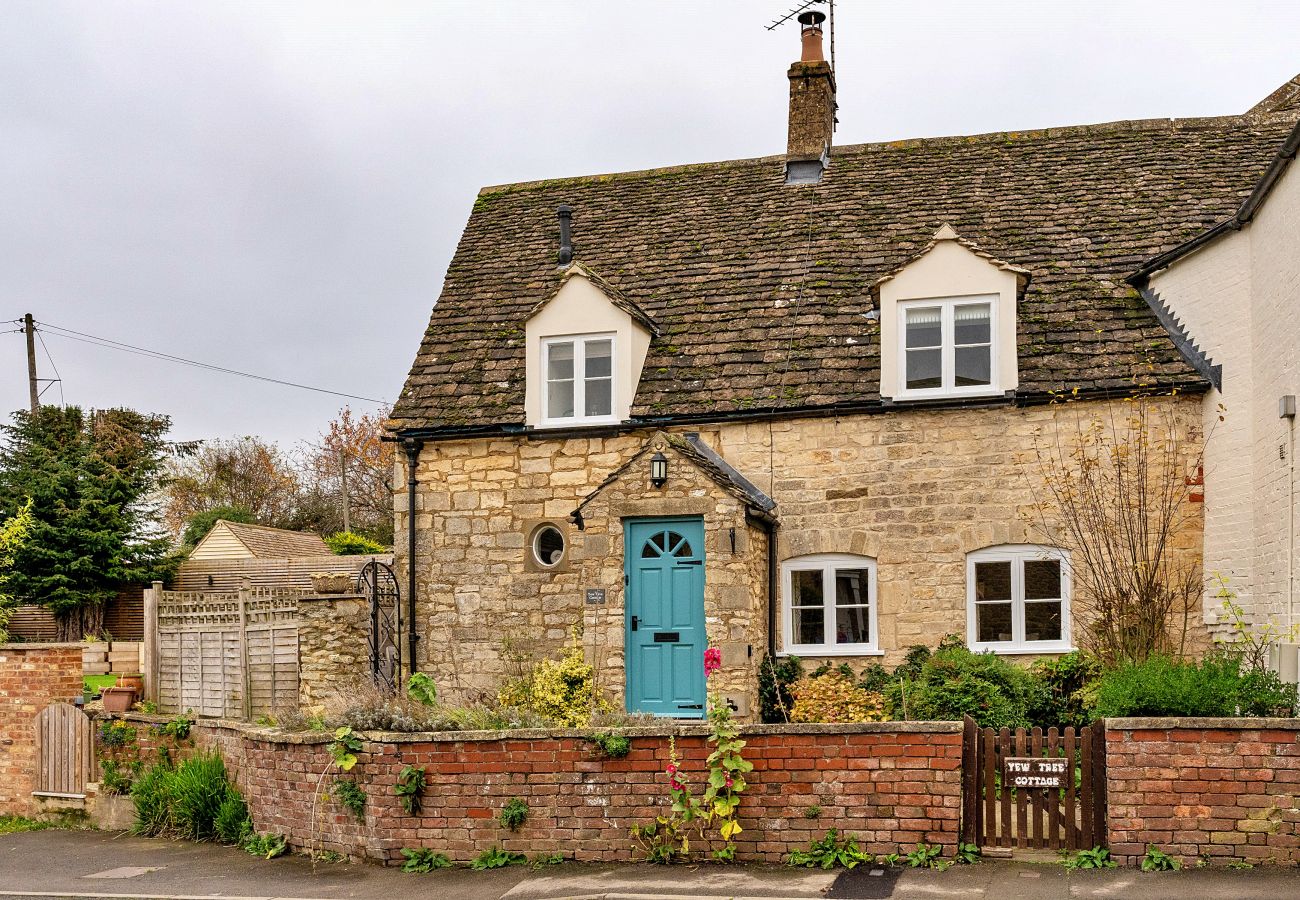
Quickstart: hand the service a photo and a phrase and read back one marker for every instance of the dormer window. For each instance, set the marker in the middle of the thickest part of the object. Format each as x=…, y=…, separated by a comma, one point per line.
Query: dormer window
x=579, y=379
x=948, y=346
x=587, y=343
x=948, y=323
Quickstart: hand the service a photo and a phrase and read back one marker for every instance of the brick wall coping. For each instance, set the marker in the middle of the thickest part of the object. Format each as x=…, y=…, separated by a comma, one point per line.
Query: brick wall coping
x=1168, y=722
x=37, y=645
x=275, y=735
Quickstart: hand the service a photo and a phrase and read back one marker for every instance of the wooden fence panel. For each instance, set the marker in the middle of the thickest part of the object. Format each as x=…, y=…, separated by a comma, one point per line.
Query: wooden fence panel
x=224, y=654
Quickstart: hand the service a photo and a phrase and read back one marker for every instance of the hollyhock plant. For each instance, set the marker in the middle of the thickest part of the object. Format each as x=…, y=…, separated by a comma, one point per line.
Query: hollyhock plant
x=712, y=661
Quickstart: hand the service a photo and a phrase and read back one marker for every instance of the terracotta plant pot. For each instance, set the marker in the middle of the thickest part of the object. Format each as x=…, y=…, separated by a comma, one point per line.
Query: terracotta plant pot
x=119, y=699
x=134, y=682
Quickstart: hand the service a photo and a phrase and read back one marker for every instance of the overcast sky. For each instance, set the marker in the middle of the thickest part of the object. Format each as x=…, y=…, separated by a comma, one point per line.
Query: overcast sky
x=278, y=187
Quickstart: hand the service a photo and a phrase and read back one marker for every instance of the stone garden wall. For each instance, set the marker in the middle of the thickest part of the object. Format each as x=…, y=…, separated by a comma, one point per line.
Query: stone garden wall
x=32, y=676
x=1225, y=789
x=333, y=643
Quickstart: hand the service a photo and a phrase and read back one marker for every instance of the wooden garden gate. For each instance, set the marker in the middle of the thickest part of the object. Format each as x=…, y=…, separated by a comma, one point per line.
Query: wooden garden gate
x=1030, y=790
x=65, y=752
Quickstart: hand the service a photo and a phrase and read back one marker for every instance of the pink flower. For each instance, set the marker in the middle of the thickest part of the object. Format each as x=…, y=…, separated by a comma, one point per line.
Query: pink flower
x=729, y=781
x=672, y=769
x=712, y=661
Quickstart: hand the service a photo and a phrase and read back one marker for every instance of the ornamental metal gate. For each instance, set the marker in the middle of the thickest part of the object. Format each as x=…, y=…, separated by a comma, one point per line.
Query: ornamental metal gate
x=1033, y=790
x=377, y=581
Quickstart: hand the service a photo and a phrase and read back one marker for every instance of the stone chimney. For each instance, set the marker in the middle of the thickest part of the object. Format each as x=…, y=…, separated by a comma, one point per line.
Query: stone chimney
x=812, y=106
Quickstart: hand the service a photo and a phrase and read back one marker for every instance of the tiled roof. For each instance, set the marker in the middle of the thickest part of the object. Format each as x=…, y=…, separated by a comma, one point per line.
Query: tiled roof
x=762, y=291
x=277, y=543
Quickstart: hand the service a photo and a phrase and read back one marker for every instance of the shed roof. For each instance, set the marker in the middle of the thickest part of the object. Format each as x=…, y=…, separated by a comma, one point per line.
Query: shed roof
x=264, y=542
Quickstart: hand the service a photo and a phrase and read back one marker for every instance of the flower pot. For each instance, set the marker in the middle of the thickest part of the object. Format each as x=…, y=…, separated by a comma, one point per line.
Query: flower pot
x=134, y=682
x=119, y=699
x=333, y=582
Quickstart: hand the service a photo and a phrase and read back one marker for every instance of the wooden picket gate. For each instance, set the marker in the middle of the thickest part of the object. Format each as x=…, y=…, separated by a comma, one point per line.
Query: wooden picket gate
x=65, y=752
x=1069, y=817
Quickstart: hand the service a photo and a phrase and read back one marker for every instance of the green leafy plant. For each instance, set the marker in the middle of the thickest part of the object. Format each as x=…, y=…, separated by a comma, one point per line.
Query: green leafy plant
x=834, y=696
x=612, y=746
x=329, y=856
x=925, y=856
x=232, y=824
x=409, y=787
x=1096, y=858
x=113, y=780
x=148, y=707
x=116, y=733
x=775, y=678
x=830, y=852
x=1216, y=686
x=421, y=860
x=953, y=682
x=344, y=748
x=351, y=796
x=967, y=854
x=151, y=795
x=349, y=543
x=542, y=860
x=495, y=858
x=513, y=814
x=1069, y=690
x=668, y=837
x=199, y=788
x=421, y=688
x=891, y=859
x=727, y=767
x=16, y=824
x=812, y=812
x=563, y=690
x=178, y=729
x=267, y=846
x=1156, y=860
x=1240, y=864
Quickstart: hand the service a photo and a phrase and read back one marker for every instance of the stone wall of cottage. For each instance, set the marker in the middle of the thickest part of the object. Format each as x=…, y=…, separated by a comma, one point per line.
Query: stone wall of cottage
x=916, y=490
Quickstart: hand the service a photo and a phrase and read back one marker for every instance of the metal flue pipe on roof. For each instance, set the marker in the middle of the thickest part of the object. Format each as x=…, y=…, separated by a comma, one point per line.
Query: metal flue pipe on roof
x=565, y=214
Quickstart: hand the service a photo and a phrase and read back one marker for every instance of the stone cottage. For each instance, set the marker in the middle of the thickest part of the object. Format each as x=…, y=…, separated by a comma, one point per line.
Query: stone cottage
x=782, y=405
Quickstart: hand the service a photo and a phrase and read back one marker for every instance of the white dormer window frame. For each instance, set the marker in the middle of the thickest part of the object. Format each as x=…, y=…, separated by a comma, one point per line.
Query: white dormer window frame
x=954, y=350
x=581, y=379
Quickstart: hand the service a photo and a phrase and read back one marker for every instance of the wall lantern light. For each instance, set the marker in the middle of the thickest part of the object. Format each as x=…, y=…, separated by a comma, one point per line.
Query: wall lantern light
x=658, y=470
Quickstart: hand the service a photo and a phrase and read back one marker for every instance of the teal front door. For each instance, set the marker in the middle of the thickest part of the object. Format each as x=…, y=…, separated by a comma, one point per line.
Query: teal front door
x=664, y=563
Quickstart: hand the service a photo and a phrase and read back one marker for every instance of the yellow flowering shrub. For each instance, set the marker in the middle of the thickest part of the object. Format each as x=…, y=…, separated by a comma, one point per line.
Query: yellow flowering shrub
x=834, y=697
x=561, y=689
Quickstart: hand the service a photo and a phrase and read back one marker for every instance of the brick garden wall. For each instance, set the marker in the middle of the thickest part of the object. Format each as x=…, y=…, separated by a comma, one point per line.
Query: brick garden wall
x=891, y=784
x=1226, y=788
x=32, y=676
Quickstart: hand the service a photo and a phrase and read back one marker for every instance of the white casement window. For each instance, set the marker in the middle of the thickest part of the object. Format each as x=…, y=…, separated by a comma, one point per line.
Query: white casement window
x=947, y=347
x=830, y=605
x=579, y=380
x=1018, y=599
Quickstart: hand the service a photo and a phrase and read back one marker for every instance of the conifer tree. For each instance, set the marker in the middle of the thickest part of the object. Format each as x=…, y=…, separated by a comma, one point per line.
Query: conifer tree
x=92, y=478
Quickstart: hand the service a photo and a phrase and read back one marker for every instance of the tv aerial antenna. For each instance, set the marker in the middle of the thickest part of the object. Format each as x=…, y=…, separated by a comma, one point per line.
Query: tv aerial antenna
x=809, y=4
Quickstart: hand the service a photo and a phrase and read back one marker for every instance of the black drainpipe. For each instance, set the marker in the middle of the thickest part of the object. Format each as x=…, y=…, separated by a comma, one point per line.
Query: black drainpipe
x=772, y=527
x=413, y=447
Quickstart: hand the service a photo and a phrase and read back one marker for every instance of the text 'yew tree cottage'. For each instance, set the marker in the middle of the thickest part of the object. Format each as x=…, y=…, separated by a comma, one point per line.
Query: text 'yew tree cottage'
x=790, y=405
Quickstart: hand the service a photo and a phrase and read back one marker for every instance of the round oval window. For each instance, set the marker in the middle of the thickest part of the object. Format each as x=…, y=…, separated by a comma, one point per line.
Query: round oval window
x=548, y=545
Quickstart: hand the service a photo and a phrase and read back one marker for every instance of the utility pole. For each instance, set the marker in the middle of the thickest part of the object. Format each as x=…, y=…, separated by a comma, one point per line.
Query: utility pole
x=29, y=328
x=343, y=467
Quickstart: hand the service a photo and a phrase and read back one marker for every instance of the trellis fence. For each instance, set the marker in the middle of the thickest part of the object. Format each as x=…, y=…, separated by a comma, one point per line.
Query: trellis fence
x=229, y=654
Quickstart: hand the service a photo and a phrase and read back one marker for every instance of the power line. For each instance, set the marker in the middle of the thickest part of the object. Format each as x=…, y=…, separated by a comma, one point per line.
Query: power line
x=57, y=379
x=109, y=343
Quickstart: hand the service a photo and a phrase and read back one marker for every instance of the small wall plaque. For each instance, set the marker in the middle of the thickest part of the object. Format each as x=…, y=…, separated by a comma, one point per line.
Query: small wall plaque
x=595, y=596
x=1035, y=772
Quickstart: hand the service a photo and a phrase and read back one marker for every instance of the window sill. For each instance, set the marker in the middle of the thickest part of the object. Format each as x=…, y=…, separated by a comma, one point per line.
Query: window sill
x=577, y=423
x=1023, y=649
x=907, y=396
x=830, y=651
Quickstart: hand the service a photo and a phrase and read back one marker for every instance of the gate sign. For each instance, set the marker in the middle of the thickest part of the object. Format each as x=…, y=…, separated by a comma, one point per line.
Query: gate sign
x=1035, y=772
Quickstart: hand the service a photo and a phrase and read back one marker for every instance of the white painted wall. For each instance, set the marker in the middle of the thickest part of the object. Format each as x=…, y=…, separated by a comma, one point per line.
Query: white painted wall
x=1240, y=300
x=949, y=270
x=582, y=308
